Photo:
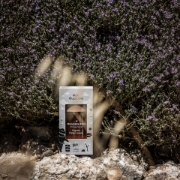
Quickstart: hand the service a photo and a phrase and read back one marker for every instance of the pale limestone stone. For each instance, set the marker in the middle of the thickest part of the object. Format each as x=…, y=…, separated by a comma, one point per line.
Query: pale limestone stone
x=168, y=171
x=114, y=174
x=114, y=164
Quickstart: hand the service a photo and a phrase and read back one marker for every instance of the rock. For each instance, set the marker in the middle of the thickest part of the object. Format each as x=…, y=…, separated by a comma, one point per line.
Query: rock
x=114, y=164
x=169, y=171
x=152, y=167
x=130, y=168
x=47, y=153
x=114, y=174
x=102, y=176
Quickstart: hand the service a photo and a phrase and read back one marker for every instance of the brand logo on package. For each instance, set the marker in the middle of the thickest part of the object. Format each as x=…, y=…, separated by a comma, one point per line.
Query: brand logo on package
x=75, y=144
x=76, y=120
x=76, y=97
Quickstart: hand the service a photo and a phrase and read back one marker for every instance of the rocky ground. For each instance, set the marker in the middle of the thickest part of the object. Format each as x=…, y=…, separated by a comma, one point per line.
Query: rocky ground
x=114, y=164
x=28, y=152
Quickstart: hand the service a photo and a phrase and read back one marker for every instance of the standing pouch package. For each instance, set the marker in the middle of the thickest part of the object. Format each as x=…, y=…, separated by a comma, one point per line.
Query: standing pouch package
x=76, y=120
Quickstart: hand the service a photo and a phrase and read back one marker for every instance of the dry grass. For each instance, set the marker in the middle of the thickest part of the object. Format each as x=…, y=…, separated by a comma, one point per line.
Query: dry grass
x=16, y=166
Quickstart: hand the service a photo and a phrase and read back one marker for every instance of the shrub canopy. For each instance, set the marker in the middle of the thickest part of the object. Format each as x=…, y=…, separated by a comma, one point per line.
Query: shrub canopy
x=128, y=47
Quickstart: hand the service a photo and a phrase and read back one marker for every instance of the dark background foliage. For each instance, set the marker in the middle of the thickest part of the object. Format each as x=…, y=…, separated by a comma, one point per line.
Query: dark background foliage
x=130, y=48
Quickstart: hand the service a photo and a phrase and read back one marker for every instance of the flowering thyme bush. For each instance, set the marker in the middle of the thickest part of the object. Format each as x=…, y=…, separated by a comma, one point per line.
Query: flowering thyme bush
x=128, y=47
